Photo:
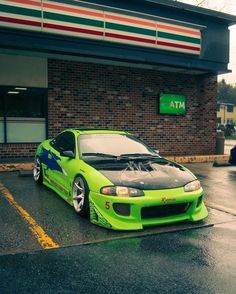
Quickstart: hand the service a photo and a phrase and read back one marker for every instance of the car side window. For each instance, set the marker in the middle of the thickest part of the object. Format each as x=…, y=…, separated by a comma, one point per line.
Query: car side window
x=64, y=142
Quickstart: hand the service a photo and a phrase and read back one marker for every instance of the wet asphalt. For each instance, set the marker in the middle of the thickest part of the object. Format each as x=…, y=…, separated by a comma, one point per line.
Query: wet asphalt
x=180, y=258
x=219, y=183
x=193, y=261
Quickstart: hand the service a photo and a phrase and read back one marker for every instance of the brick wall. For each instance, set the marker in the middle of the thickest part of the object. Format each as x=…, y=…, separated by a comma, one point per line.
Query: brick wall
x=99, y=96
x=17, y=151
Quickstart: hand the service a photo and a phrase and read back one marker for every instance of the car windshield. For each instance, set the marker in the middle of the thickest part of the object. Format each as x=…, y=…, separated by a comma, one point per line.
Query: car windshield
x=112, y=146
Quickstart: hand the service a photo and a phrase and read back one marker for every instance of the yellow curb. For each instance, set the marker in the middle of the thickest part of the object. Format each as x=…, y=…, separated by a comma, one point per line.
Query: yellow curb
x=15, y=166
x=179, y=159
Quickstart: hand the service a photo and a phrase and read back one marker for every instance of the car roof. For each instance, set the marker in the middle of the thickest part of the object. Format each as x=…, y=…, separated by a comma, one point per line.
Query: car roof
x=96, y=131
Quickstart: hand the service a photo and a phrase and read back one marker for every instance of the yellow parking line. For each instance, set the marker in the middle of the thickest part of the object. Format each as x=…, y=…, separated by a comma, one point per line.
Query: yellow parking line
x=220, y=207
x=44, y=240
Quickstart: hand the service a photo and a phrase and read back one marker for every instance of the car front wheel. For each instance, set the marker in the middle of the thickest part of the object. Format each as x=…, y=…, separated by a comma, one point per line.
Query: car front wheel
x=80, y=196
x=37, y=172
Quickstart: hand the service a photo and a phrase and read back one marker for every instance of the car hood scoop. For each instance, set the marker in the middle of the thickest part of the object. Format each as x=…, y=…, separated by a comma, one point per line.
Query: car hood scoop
x=153, y=174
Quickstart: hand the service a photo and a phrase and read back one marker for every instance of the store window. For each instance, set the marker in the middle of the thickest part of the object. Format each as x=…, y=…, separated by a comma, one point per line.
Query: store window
x=22, y=114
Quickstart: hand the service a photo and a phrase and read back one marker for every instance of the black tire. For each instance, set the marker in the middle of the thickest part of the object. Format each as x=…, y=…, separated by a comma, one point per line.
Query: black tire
x=37, y=171
x=80, y=195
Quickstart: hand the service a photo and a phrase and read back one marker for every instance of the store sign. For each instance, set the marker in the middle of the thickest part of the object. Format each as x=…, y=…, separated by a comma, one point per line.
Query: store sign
x=86, y=20
x=172, y=104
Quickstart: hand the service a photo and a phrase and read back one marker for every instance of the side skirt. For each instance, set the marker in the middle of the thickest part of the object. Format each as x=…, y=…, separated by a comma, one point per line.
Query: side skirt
x=58, y=189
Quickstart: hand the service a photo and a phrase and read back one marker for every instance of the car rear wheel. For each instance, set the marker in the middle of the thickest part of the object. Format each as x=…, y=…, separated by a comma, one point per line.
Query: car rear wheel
x=37, y=172
x=80, y=196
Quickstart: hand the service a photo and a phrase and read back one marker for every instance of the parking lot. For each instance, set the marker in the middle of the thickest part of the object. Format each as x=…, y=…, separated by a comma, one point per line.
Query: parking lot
x=33, y=218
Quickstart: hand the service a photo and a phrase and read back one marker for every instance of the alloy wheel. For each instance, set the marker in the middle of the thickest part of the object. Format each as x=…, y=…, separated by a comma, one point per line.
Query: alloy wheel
x=37, y=169
x=78, y=194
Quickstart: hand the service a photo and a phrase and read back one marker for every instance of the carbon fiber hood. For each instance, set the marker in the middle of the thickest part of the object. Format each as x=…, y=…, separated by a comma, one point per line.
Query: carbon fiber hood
x=153, y=174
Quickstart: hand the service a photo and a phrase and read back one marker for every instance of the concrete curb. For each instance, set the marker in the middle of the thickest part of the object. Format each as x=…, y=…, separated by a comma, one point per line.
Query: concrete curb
x=199, y=158
x=15, y=166
x=179, y=159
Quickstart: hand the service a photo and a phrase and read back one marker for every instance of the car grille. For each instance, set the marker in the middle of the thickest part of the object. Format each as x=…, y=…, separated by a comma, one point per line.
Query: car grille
x=164, y=210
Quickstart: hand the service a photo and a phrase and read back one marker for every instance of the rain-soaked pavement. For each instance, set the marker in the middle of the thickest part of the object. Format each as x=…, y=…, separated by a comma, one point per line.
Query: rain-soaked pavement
x=182, y=258
x=193, y=261
x=219, y=183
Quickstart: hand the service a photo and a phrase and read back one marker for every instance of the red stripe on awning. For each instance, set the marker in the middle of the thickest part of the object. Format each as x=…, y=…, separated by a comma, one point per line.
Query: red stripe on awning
x=136, y=39
x=178, y=46
x=20, y=21
x=72, y=29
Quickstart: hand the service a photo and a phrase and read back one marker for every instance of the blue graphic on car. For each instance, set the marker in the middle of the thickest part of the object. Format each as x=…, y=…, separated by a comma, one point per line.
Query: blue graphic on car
x=50, y=160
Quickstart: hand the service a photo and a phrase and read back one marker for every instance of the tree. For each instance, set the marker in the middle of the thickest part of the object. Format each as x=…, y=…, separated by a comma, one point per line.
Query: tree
x=226, y=92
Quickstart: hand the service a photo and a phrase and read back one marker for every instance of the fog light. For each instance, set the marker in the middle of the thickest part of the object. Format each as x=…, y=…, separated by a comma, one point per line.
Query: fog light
x=122, y=209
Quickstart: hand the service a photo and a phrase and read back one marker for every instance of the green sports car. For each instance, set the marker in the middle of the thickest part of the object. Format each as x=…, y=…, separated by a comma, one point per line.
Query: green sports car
x=117, y=180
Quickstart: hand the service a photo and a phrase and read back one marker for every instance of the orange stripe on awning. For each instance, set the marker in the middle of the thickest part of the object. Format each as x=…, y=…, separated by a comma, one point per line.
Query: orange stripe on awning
x=182, y=30
x=73, y=10
x=131, y=20
x=27, y=2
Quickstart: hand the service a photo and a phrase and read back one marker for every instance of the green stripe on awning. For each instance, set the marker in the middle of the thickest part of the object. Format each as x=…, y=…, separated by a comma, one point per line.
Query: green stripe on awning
x=20, y=11
x=130, y=29
x=73, y=19
x=179, y=38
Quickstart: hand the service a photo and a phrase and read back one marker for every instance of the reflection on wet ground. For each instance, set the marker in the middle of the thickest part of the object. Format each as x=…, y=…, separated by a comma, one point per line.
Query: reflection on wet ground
x=191, y=261
x=219, y=183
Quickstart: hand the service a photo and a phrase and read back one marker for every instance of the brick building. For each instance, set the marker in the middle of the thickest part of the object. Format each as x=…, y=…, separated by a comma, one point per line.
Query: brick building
x=111, y=64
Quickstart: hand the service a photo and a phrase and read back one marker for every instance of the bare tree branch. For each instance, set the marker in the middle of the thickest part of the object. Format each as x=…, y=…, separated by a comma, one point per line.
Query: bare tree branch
x=202, y=2
x=214, y=5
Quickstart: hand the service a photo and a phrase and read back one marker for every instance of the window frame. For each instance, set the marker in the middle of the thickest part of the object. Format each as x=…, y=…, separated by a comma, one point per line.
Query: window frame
x=53, y=141
x=45, y=110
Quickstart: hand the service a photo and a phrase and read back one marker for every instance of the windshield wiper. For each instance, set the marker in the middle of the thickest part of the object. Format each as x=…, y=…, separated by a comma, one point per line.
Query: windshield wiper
x=139, y=156
x=104, y=155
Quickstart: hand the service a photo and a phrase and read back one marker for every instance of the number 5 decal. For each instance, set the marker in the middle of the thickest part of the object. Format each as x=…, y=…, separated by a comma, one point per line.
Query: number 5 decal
x=107, y=205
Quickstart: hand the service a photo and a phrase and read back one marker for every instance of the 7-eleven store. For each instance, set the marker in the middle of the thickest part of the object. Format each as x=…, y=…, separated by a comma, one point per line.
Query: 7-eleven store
x=111, y=64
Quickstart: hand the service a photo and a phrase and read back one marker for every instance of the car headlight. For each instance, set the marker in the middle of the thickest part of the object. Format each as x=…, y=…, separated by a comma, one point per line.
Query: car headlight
x=121, y=191
x=192, y=186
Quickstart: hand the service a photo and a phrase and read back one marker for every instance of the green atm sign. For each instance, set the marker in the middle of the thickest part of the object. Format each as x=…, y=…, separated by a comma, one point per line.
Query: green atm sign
x=172, y=104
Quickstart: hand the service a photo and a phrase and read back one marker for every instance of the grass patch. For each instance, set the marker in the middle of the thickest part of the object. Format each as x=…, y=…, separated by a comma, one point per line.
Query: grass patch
x=233, y=137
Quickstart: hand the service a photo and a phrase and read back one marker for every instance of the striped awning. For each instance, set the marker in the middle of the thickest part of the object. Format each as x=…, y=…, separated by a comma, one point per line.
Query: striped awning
x=94, y=22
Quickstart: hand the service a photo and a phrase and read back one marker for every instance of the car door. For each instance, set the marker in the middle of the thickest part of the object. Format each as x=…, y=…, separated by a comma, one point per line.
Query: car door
x=60, y=173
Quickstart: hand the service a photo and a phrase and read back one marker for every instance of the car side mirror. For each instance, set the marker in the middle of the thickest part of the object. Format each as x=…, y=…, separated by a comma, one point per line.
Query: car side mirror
x=68, y=153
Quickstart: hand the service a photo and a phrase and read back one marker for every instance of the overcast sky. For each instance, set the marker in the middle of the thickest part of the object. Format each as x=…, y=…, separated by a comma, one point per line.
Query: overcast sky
x=228, y=6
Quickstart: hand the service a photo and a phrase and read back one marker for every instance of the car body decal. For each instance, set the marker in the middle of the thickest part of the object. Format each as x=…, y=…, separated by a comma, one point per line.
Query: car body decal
x=50, y=159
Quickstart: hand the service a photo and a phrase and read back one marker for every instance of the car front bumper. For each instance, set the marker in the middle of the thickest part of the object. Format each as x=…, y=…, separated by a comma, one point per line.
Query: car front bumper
x=157, y=207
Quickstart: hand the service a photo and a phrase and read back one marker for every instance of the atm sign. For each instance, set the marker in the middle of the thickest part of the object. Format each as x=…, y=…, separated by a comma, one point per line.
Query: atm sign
x=172, y=104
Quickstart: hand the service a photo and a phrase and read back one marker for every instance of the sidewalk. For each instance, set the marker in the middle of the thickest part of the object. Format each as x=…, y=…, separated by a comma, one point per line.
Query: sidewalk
x=229, y=144
x=19, y=165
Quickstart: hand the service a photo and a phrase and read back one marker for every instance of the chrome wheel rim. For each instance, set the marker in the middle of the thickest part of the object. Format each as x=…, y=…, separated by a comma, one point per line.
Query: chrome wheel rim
x=37, y=169
x=78, y=194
